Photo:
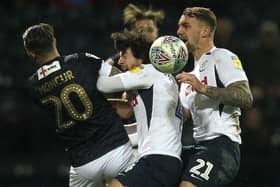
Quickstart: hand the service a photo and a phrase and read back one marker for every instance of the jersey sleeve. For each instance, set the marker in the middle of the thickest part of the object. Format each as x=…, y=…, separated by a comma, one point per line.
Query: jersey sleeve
x=229, y=67
x=137, y=78
x=130, y=80
x=93, y=62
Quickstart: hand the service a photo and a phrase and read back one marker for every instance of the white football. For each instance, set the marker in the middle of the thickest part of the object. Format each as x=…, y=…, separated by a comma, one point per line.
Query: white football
x=168, y=54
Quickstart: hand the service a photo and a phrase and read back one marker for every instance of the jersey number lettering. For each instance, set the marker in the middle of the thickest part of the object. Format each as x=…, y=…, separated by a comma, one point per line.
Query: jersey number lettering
x=65, y=101
x=201, y=164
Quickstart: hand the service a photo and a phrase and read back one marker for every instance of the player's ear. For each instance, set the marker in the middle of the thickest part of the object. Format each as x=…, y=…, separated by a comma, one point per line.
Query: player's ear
x=205, y=32
x=31, y=55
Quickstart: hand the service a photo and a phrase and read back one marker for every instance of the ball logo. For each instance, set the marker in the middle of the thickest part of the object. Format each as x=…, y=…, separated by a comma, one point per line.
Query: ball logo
x=182, y=53
x=159, y=56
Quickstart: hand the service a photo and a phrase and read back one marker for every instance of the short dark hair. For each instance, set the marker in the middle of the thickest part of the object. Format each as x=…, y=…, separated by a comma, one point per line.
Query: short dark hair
x=39, y=39
x=137, y=41
x=203, y=14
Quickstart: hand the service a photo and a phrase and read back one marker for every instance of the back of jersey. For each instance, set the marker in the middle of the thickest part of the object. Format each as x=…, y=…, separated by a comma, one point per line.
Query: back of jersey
x=86, y=121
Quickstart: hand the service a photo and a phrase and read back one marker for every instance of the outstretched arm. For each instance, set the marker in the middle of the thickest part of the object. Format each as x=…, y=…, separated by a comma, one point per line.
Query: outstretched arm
x=140, y=79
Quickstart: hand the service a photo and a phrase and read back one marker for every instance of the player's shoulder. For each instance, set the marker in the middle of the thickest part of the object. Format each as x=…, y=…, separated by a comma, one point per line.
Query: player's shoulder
x=144, y=68
x=222, y=52
x=157, y=75
x=151, y=69
x=85, y=56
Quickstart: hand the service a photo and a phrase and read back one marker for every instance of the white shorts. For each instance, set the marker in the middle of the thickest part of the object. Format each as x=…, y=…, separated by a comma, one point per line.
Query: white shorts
x=93, y=174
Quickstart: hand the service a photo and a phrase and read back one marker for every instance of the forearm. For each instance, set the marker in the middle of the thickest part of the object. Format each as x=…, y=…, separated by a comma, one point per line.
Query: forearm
x=110, y=84
x=236, y=94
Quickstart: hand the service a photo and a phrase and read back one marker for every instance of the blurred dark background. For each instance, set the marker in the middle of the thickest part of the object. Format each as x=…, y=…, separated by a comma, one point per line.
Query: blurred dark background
x=31, y=154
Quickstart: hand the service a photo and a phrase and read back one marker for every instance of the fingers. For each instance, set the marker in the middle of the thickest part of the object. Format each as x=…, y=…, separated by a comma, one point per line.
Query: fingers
x=185, y=77
x=193, y=81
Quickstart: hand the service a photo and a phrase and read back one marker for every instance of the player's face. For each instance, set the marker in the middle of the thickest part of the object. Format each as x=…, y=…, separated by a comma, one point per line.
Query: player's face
x=127, y=60
x=189, y=30
x=149, y=27
x=122, y=64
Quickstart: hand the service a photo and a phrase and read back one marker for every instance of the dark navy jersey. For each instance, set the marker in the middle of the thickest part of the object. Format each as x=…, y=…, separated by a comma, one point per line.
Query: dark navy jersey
x=85, y=120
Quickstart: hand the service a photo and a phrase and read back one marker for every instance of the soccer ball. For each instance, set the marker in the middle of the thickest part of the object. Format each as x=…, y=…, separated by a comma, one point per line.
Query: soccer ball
x=168, y=54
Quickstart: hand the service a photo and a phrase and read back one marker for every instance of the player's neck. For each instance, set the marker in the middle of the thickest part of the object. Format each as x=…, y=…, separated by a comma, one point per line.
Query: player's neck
x=202, y=49
x=48, y=58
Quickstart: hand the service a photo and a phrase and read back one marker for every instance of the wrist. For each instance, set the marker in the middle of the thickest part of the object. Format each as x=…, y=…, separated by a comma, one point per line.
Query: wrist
x=105, y=69
x=204, y=89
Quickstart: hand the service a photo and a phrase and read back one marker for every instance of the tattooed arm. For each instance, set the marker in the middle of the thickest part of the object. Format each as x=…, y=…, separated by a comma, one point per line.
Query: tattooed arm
x=236, y=94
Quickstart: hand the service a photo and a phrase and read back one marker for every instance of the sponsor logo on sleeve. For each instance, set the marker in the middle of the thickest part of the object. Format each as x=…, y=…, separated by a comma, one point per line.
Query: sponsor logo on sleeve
x=236, y=62
x=46, y=70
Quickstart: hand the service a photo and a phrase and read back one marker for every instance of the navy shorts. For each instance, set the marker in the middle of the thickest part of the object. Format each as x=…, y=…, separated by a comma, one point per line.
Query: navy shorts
x=153, y=171
x=212, y=163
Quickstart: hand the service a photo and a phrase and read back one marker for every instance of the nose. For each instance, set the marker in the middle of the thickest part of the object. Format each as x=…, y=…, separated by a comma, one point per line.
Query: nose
x=120, y=61
x=179, y=32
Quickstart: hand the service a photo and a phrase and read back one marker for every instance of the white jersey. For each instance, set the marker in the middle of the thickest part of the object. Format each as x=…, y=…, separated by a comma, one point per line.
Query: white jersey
x=156, y=108
x=218, y=68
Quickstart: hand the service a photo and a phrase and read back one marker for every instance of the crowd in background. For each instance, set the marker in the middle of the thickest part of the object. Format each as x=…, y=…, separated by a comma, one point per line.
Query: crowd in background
x=30, y=151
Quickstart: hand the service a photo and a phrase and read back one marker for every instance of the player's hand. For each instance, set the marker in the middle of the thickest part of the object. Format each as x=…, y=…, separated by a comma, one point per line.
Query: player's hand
x=111, y=60
x=193, y=81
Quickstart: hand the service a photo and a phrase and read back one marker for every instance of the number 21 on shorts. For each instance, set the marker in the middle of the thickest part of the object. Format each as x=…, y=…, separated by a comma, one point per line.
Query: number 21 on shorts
x=199, y=169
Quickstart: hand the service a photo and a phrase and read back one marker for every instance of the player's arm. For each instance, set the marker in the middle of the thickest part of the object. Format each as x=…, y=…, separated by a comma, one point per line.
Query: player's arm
x=111, y=60
x=231, y=74
x=121, y=81
x=236, y=94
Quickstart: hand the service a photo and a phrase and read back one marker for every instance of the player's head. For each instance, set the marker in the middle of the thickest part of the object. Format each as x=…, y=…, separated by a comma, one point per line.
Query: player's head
x=143, y=19
x=196, y=25
x=39, y=41
x=133, y=47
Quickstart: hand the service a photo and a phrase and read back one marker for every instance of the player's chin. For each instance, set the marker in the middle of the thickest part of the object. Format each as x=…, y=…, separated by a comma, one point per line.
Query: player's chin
x=185, y=41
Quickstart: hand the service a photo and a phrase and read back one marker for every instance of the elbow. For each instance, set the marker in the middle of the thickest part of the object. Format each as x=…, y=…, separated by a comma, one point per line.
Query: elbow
x=249, y=102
